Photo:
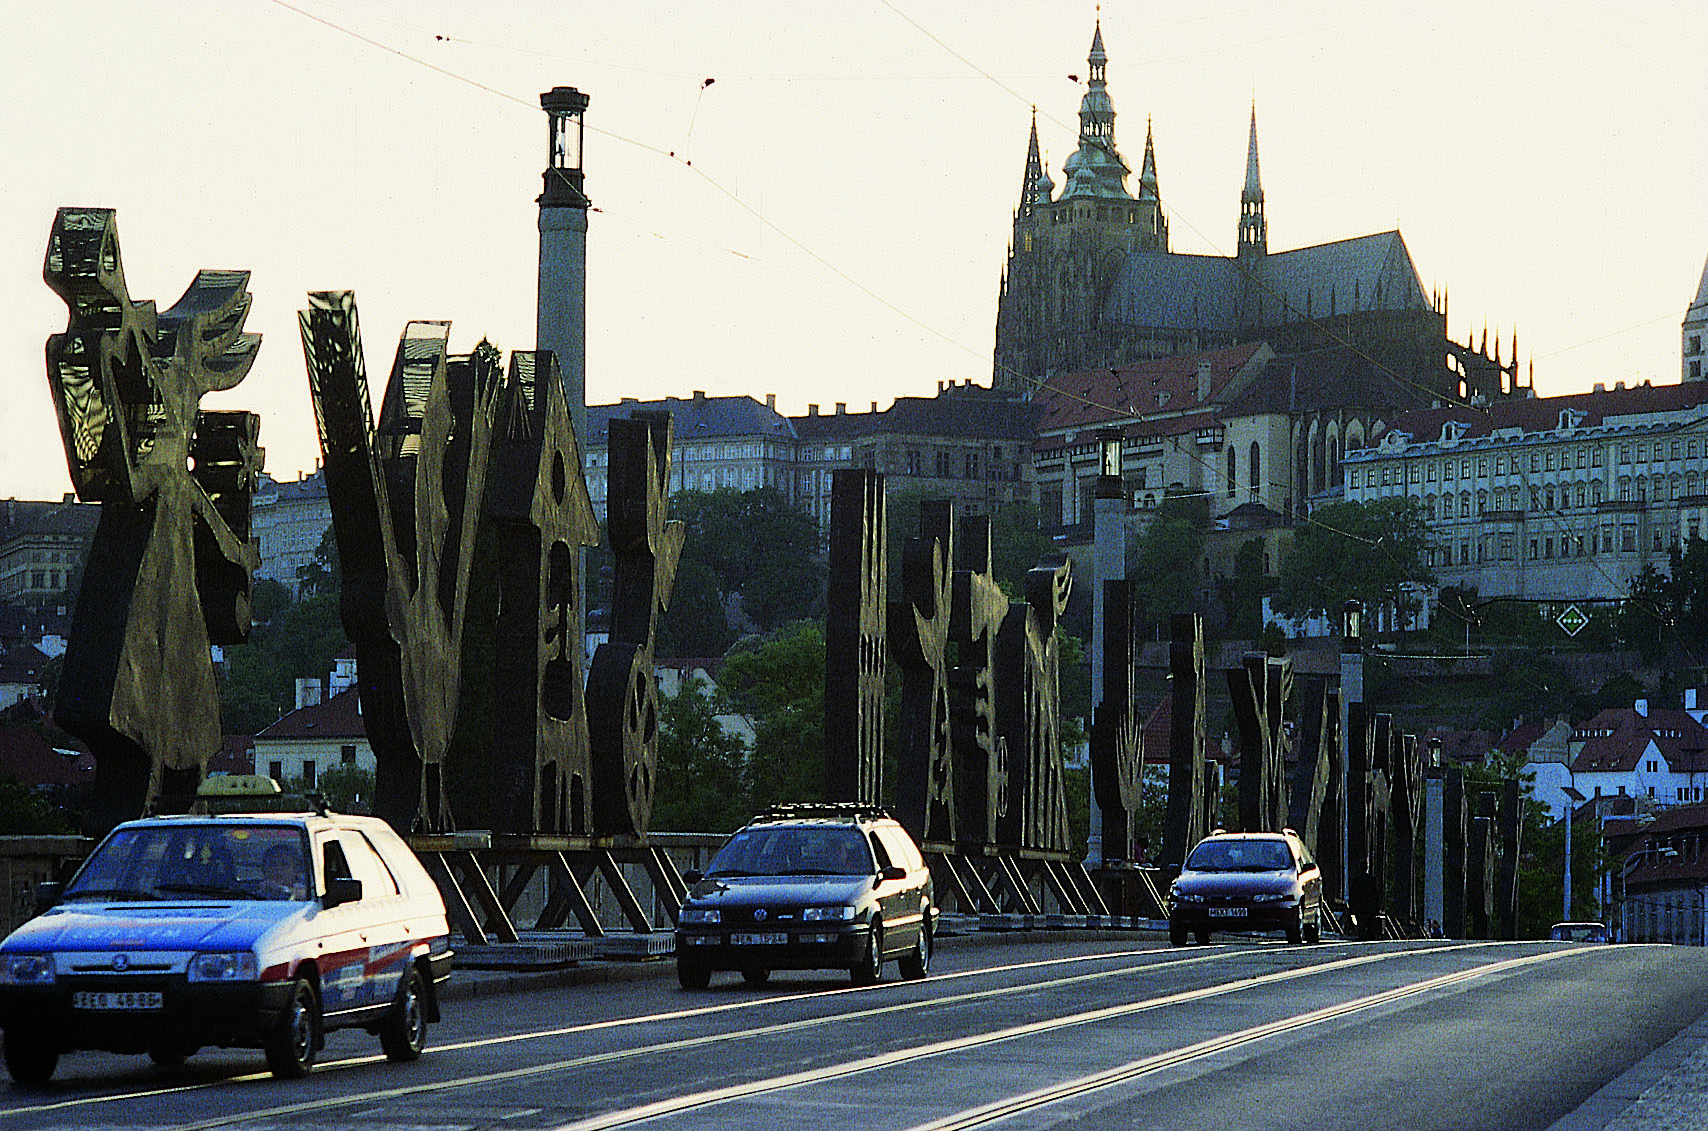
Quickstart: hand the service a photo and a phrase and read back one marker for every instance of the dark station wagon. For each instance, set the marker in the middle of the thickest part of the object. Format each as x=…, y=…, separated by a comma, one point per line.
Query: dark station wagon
x=1257, y=881
x=809, y=887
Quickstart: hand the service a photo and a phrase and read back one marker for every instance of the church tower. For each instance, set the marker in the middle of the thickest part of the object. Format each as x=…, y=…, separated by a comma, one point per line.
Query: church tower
x=1696, y=333
x=1253, y=228
x=1066, y=250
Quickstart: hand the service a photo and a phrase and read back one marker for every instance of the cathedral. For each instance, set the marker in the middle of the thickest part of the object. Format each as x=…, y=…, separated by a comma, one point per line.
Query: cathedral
x=1092, y=283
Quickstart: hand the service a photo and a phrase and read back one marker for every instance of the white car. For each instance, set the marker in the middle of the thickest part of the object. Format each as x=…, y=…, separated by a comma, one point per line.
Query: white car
x=254, y=930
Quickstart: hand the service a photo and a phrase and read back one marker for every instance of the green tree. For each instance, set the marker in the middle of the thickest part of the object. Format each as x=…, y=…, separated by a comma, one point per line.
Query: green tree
x=778, y=681
x=1356, y=551
x=1164, y=562
x=1242, y=594
x=702, y=784
x=347, y=789
x=757, y=547
x=24, y=811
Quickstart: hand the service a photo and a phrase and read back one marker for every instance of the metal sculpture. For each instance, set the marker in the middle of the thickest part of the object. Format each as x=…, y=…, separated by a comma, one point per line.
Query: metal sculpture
x=406, y=498
x=1511, y=840
x=1186, y=821
x=1260, y=688
x=1117, y=728
x=1315, y=802
x=1405, y=802
x=977, y=609
x=622, y=691
x=169, y=570
x=1455, y=883
x=1029, y=713
x=854, y=644
x=919, y=637
x=1366, y=823
x=1480, y=868
x=541, y=771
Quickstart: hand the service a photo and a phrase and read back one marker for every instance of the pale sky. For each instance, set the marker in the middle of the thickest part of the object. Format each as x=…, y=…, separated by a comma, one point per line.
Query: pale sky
x=828, y=219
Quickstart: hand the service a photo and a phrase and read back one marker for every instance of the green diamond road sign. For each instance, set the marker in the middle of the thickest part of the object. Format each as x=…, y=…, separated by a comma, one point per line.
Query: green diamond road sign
x=1572, y=620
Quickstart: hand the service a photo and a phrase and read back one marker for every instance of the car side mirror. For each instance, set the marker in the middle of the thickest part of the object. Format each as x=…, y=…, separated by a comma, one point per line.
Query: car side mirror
x=893, y=872
x=48, y=895
x=345, y=889
x=693, y=876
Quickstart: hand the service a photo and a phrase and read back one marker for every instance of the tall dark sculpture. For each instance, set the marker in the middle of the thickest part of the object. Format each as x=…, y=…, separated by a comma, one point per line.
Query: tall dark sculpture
x=406, y=498
x=1315, y=803
x=1405, y=802
x=1188, y=803
x=977, y=609
x=622, y=692
x=1511, y=840
x=855, y=651
x=1029, y=713
x=1117, y=728
x=919, y=636
x=1366, y=823
x=169, y=570
x=541, y=771
x=1260, y=688
x=1454, y=871
x=1480, y=868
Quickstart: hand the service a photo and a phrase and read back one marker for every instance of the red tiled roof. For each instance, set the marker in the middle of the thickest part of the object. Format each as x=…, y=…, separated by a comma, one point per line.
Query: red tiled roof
x=337, y=717
x=1615, y=739
x=1169, y=385
x=1540, y=414
x=27, y=756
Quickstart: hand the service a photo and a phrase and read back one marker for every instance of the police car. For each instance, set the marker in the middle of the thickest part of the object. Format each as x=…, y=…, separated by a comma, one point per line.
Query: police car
x=249, y=930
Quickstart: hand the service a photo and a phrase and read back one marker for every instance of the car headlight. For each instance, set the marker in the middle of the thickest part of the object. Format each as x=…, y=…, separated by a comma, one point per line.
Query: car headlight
x=1274, y=897
x=26, y=970
x=223, y=966
x=1186, y=896
x=699, y=915
x=842, y=914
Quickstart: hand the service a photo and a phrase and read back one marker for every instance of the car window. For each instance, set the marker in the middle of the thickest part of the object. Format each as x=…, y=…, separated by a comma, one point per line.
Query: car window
x=366, y=865
x=192, y=860
x=899, y=847
x=335, y=866
x=1240, y=856
x=793, y=850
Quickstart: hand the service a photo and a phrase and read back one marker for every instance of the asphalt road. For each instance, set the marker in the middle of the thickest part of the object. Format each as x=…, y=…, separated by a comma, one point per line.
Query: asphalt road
x=1012, y=1031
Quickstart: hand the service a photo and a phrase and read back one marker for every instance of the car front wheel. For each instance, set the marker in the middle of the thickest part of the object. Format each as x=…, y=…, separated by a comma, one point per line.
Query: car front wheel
x=403, y=1033
x=917, y=962
x=29, y=1058
x=871, y=965
x=291, y=1044
x=692, y=975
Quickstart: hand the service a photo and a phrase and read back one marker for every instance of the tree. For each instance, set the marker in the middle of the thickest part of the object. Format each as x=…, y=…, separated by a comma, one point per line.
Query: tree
x=1356, y=551
x=347, y=789
x=701, y=782
x=756, y=547
x=1164, y=562
x=779, y=682
x=1242, y=594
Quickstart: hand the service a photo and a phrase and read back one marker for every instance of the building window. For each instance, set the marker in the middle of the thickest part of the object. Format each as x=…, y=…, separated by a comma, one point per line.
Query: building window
x=276, y=771
x=347, y=755
x=308, y=773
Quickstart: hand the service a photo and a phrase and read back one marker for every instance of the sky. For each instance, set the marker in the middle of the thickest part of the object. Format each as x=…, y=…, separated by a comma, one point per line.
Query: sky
x=813, y=198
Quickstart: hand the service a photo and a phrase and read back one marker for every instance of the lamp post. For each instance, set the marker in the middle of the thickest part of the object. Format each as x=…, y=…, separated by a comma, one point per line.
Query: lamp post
x=1573, y=798
x=1109, y=558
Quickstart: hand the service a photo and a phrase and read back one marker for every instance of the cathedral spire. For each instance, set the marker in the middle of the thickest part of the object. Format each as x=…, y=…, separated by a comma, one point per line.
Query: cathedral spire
x=1096, y=168
x=1253, y=228
x=1034, y=176
x=1147, y=177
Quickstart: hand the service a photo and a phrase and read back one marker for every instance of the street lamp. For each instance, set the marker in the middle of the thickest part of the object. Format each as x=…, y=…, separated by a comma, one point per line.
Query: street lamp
x=1573, y=798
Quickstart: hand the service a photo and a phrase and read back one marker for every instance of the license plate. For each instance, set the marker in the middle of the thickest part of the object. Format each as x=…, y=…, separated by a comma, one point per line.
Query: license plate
x=138, y=999
x=1227, y=912
x=769, y=938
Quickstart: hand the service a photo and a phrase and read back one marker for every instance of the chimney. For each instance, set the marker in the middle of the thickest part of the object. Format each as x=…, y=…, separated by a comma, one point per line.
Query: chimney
x=699, y=396
x=874, y=406
x=1690, y=699
x=1204, y=380
x=812, y=410
x=939, y=388
x=771, y=401
x=308, y=693
x=1600, y=387
x=841, y=408
x=1642, y=708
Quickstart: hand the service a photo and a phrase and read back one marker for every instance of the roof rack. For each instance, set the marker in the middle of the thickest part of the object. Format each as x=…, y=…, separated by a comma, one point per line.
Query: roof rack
x=823, y=810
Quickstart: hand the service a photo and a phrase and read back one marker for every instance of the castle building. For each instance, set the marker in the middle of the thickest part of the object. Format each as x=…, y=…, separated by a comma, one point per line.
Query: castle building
x=1695, y=329
x=1091, y=281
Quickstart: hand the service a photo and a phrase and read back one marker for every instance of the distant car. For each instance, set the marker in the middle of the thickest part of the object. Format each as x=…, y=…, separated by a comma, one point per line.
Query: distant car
x=1247, y=882
x=258, y=930
x=1579, y=932
x=808, y=887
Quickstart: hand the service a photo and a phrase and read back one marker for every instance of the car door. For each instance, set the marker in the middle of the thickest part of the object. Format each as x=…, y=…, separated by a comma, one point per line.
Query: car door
x=383, y=932
x=896, y=897
x=341, y=948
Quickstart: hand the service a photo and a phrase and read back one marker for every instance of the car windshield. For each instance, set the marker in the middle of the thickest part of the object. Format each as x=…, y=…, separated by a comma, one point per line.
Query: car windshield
x=1240, y=856
x=794, y=851
x=195, y=861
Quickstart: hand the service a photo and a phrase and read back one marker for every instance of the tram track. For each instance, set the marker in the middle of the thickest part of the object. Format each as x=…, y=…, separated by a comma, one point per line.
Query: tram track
x=1159, y=962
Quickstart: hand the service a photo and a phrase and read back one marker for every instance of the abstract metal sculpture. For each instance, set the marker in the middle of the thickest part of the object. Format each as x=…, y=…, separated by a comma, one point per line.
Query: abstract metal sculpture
x=855, y=652
x=406, y=500
x=541, y=771
x=622, y=691
x=1315, y=802
x=919, y=636
x=1028, y=717
x=169, y=570
x=977, y=609
x=1260, y=688
x=1186, y=821
x=1117, y=728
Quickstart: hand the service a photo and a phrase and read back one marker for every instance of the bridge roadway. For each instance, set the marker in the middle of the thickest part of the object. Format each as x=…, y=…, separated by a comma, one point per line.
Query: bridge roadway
x=1064, y=1030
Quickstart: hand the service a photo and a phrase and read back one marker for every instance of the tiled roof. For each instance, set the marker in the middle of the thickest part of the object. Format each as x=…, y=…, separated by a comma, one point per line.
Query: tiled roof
x=21, y=664
x=27, y=756
x=1615, y=739
x=1167, y=385
x=697, y=418
x=1323, y=379
x=1671, y=849
x=1521, y=738
x=26, y=516
x=970, y=411
x=1156, y=728
x=1542, y=414
x=334, y=718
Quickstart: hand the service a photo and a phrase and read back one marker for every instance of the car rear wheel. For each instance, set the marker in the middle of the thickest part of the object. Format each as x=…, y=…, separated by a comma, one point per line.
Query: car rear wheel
x=403, y=1033
x=692, y=975
x=1314, y=931
x=294, y=1038
x=1203, y=937
x=756, y=975
x=871, y=966
x=29, y=1058
x=1176, y=934
x=169, y=1055
x=917, y=962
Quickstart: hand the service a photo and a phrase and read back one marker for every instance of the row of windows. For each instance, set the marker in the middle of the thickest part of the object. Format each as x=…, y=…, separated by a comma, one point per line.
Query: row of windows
x=1583, y=455
x=1506, y=547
